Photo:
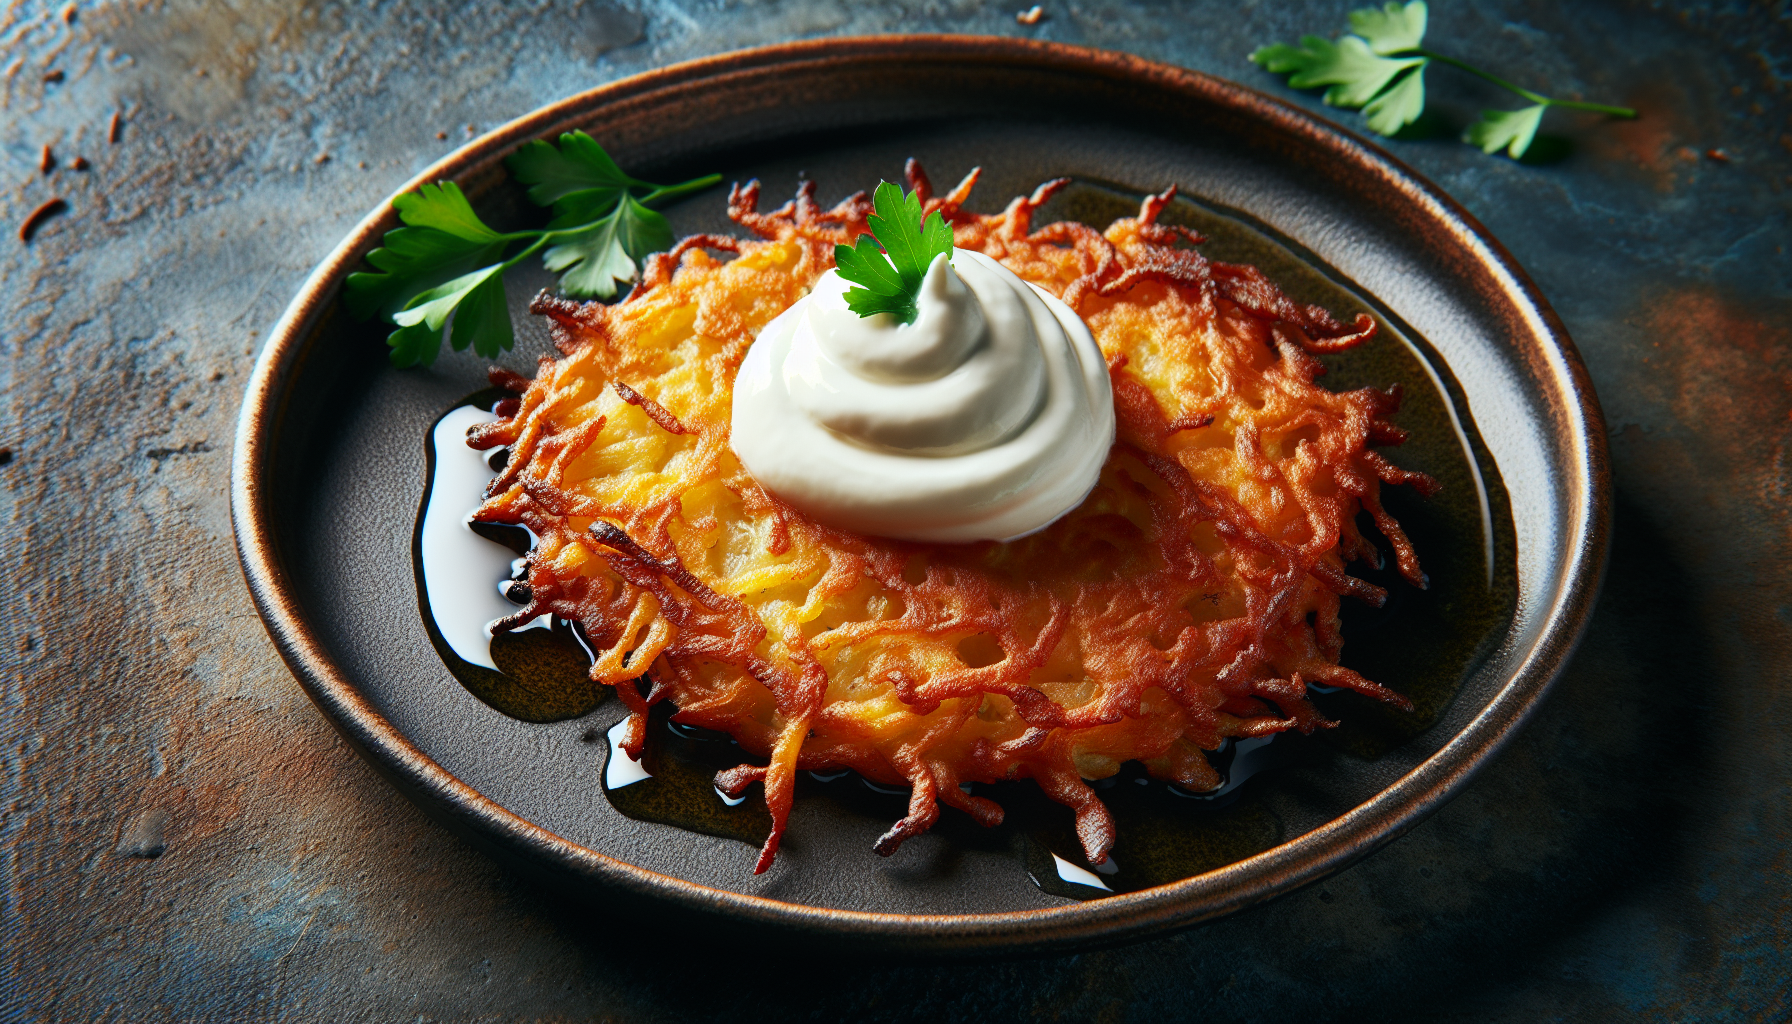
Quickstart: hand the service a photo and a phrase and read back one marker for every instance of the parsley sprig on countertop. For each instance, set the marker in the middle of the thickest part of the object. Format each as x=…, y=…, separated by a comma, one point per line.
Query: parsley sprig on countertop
x=891, y=285
x=445, y=266
x=1380, y=67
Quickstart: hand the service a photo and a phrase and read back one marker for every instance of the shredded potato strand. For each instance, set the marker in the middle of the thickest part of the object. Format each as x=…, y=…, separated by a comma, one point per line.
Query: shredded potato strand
x=1190, y=598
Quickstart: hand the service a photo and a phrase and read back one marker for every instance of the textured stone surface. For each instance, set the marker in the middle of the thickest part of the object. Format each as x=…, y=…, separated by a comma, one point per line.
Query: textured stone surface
x=1626, y=858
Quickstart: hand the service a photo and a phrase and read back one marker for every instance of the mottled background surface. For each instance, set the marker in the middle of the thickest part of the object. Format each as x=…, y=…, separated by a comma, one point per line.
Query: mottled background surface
x=1626, y=858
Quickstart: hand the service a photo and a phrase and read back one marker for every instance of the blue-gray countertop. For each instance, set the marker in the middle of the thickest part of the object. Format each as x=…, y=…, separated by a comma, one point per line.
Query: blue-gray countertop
x=1626, y=858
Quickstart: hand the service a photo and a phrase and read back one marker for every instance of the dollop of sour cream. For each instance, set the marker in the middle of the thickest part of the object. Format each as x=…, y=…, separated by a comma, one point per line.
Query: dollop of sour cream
x=986, y=419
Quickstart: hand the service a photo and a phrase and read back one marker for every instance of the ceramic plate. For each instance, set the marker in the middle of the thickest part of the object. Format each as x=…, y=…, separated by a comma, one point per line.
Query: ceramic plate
x=330, y=466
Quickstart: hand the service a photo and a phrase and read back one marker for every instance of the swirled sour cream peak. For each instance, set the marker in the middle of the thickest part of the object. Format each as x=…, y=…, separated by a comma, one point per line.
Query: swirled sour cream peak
x=986, y=419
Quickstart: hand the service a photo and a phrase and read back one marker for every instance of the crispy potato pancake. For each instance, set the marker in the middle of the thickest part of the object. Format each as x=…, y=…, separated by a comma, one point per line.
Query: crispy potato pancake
x=1191, y=597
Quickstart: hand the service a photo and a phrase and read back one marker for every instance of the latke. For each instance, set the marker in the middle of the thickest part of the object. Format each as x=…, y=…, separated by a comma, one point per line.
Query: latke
x=1192, y=597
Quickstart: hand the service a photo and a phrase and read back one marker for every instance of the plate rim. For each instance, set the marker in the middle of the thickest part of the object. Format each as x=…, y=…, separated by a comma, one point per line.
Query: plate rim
x=1392, y=811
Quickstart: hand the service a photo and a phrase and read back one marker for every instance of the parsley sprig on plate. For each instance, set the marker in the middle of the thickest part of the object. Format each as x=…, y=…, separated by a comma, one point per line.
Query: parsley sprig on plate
x=891, y=283
x=1380, y=67
x=445, y=267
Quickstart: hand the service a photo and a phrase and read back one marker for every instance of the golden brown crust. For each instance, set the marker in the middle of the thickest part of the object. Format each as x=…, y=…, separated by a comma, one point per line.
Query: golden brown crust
x=1190, y=598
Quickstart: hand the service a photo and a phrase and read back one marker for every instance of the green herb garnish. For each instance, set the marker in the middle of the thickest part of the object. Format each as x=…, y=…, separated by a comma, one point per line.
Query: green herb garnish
x=891, y=285
x=446, y=264
x=1381, y=68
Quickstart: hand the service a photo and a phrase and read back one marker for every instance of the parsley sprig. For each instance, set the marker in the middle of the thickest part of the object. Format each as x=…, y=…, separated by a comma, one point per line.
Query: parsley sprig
x=445, y=267
x=1380, y=67
x=891, y=284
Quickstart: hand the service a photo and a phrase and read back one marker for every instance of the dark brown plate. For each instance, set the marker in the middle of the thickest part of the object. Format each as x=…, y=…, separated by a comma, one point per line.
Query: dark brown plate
x=329, y=466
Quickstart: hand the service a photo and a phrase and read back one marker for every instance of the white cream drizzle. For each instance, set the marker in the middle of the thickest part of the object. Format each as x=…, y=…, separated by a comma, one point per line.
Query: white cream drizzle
x=986, y=419
x=621, y=769
x=463, y=573
x=1079, y=876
